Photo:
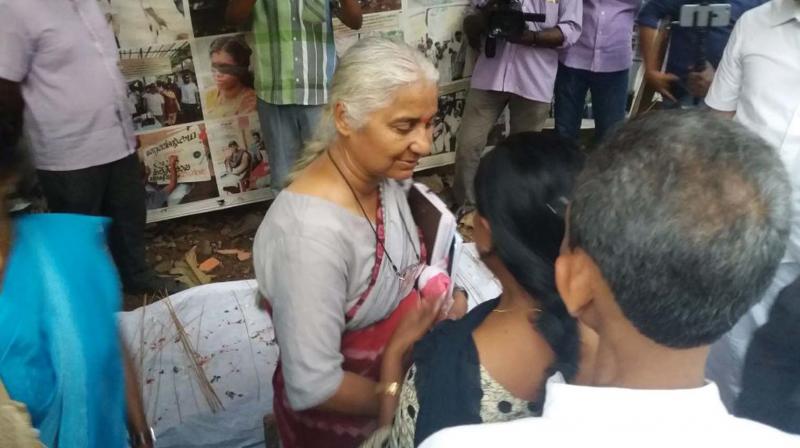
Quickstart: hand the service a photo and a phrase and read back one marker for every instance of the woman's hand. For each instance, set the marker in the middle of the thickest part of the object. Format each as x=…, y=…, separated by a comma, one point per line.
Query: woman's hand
x=414, y=326
x=459, y=307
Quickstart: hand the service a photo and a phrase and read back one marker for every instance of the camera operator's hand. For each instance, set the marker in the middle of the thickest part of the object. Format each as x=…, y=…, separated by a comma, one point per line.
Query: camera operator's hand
x=474, y=28
x=661, y=82
x=700, y=82
x=527, y=37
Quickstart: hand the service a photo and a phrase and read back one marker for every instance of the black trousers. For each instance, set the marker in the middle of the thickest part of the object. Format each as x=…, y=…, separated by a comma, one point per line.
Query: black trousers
x=115, y=190
x=771, y=375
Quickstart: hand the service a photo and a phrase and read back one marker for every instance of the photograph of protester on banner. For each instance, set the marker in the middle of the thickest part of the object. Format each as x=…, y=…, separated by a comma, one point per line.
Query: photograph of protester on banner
x=208, y=18
x=226, y=77
x=162, y=86
x=177, y=167
x=446, y=122
x=239, y=153
x=381, y=25
x=138, y=23
x=437, y=32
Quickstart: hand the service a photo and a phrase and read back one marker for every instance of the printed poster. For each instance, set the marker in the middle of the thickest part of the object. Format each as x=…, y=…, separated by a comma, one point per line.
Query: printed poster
x=177, y=166
x=191, y=93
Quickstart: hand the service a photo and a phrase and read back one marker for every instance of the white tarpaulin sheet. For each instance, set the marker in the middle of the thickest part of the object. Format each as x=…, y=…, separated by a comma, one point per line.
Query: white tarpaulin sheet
x=235, y=346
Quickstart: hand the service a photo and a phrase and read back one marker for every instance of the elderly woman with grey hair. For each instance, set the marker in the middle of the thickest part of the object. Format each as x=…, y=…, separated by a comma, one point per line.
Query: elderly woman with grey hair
x=338, y=253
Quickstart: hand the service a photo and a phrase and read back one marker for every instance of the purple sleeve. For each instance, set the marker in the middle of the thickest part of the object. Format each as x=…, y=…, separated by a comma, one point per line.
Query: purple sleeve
x=570, y=19
x=16, y=43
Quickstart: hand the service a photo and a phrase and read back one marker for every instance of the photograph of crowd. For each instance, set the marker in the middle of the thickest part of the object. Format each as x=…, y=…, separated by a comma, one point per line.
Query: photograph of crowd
x=177, y=167
x=225, y=68
x=447, y=121
x=239, y=153
x=138, y=23
x=345, y=41
x=162, y=86
x=437, y=33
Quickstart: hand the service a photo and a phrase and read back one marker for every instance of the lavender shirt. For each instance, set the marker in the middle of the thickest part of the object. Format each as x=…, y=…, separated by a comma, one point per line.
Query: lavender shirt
x=529, y=72
x=605, y=45
x=63, y=54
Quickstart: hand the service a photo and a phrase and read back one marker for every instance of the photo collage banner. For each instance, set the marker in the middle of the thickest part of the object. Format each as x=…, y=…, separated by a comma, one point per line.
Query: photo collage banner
x=202, y=125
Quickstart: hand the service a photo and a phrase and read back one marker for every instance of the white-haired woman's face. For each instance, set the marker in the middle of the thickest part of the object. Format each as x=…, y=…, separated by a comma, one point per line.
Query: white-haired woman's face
x=395, y=137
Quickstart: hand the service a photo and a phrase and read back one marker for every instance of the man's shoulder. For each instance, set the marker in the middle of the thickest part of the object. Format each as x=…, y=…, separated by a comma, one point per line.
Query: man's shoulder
x=757, y=16
x=744, y=432
x=728, y=431
x=516, y=433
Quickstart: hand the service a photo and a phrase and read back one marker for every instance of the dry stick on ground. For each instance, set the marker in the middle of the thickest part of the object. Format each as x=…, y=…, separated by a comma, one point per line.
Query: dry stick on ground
x=141, y=342
x=250, y=342
x=205, y=386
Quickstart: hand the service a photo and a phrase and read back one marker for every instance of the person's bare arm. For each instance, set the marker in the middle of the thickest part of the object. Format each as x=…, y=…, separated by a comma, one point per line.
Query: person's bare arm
x=549, y=38
x=355, y=396
x=350, y=14
x=238, y=12
x=392, y=371
x=412, y=328
x=137, y=421
x=173, y=175
x=650, y=43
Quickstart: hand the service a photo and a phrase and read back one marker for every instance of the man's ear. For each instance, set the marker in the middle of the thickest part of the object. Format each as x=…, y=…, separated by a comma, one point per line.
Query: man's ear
x=340, y=120
x=574, y=281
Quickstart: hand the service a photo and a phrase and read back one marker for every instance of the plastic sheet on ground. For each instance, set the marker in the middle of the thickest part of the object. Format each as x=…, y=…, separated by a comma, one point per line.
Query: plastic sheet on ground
x=235, y=345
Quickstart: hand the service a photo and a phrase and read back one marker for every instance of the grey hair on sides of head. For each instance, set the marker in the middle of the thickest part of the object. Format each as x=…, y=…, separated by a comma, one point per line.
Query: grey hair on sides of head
x=686, y=214
x=366, y=79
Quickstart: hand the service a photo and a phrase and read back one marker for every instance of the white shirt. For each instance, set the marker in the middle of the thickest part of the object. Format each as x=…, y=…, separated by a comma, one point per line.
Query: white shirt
x=759, y=78
x=189, y=93
x=581, y=416
x=155, y=103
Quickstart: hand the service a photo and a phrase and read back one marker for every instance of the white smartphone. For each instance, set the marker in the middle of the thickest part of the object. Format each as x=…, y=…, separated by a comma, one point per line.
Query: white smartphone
x=712, y=15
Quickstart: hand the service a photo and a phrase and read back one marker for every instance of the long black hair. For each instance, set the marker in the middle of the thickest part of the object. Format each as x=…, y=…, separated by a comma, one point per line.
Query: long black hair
x=522, y=188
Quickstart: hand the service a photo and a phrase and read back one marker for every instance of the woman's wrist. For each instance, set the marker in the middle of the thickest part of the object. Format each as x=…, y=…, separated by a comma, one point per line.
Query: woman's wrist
x=392, y=366
x=396, y=350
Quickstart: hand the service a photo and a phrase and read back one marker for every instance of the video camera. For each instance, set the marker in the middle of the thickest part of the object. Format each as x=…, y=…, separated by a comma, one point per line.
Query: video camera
x=506, y=20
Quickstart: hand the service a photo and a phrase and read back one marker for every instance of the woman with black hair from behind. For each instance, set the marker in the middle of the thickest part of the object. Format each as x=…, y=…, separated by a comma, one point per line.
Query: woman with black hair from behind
x=491, y=365
x=61, y=355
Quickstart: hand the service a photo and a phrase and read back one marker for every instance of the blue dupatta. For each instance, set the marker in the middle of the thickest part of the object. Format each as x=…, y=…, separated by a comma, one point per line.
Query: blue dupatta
x=59, y=345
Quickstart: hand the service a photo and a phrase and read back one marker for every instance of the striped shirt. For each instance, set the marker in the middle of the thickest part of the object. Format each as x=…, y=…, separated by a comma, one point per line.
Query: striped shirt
x=296, y=54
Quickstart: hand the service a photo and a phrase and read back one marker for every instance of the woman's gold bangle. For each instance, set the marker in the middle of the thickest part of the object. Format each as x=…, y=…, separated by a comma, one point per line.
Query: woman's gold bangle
x=390, y=389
